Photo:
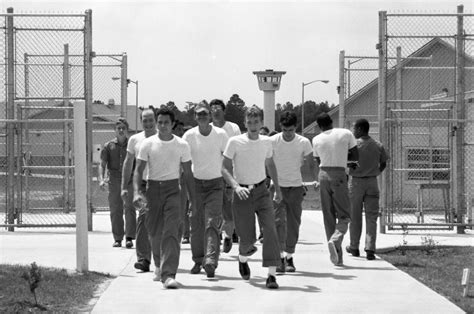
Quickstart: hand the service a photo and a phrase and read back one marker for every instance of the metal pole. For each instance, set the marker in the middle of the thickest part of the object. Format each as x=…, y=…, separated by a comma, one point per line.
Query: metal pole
x=81, y=183
x=26, y=127
x=66, y=94
x=88, y=55
x=382, y=48
x=302, y=108
x=10, y=114
x=123, y=87
x=460, y=113
x=136, y=106
x=342, y=90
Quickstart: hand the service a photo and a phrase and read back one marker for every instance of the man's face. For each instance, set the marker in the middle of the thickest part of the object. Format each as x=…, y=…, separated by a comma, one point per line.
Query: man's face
x=288, y=132
x=148, y=121
x=202, y=117
x=357, y=132
x=253, y=124
x=179, y=130
x=165, y=125
x=121, y=130
x=217, y=112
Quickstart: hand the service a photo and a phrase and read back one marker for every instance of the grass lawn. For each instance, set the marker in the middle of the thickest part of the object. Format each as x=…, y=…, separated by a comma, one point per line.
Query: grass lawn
x=58, y=291
x=438, y=268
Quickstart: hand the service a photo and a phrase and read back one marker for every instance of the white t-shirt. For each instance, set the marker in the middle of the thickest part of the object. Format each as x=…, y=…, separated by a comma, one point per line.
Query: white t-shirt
x=231, y=129
x=248, y=157
x=332, y=147
x=206, y=152
x=164, y=158
x=289, y=157
x=133, y=147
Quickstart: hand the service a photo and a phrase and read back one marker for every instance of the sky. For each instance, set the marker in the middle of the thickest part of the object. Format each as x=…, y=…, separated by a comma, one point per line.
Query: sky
x=189, y=51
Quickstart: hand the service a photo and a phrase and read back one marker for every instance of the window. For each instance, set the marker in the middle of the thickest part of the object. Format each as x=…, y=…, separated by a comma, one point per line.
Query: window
x=430, y=159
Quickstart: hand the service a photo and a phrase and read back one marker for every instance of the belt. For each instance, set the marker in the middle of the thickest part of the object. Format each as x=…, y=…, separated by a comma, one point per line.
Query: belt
x=368, y=177
x=252, y=186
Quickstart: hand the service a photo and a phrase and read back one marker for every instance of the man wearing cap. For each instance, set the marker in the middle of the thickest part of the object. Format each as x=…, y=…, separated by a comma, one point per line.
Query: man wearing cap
x=232, y=129
x=207, y=144
x=112, y=157
x=332, y=149
x=164, y=154
x=245, y=158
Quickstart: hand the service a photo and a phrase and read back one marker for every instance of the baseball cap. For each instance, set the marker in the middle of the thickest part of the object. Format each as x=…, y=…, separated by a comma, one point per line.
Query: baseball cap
x=202, y=106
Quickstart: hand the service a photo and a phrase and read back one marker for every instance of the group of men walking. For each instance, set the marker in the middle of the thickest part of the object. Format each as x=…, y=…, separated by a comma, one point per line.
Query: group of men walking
x=226, y=176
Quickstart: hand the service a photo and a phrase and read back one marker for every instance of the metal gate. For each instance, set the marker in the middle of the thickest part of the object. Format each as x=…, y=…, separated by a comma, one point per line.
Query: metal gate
x=47, y=68
x=425, y=89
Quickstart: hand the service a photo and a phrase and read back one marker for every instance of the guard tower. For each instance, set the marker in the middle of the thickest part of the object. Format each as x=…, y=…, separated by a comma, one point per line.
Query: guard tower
x=269, y=82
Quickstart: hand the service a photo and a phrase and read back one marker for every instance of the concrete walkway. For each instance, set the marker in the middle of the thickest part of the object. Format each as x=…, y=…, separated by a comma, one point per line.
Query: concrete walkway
x=316, y=286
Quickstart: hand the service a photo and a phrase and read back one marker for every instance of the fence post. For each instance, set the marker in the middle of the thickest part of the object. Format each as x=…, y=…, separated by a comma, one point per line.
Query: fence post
x=382, y=112
x=342, y=90
x=26, y=128
x=123, y=86
x=66, y=142
x=81, y=182
x=460, y=114
x=88, y=55
x=10, y=115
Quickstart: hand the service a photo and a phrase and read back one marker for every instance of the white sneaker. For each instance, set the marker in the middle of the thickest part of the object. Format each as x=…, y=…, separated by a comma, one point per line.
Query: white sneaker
x=170, y=283
x=157, y=276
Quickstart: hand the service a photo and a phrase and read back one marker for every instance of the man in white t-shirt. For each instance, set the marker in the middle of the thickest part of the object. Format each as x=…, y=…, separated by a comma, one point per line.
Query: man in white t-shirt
x=332, y=149
x=232, y=129
x=143, y=249
x=164, y=154
x=290, y=150
x=246, y=156
x=207, y=144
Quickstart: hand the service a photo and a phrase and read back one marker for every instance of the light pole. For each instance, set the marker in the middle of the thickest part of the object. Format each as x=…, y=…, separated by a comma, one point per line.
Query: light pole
x=303, y=84
x=136, y=98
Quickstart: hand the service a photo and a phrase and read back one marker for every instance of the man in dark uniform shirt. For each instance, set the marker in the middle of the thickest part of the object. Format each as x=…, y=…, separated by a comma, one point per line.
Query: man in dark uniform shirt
x=112, y=157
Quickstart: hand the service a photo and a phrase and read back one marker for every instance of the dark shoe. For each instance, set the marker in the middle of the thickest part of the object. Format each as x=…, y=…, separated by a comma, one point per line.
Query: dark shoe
x=144, y=266
x=260, y=238
x=271, y=282
x=244, y=270
x=196, y=269
x=281, y=268
x=354, y=252
x=335, y=254
x=185, y=240
x=290, y=267
x=210, y=270
x=117, y=244
x=128, y=244
x=227, y=246
x=235, y=238
x=370, y=255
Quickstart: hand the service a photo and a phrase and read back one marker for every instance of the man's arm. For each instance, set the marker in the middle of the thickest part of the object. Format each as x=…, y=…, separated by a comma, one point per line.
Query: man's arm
x=227, y=170
x=317, y=162
x=272, y=172
x=382, y=166
x=102, y=177
x=189, y=182
x=309, y=163
x=126, y=173
x=137, y=180
x=353, y=154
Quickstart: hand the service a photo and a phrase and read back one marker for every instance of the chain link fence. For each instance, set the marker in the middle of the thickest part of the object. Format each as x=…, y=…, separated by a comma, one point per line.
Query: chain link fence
x=44, y=73
x=425, y=100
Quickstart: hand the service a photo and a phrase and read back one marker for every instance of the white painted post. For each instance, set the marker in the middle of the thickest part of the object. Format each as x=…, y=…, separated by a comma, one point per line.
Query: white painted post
x=80, y=177
x=465, y=281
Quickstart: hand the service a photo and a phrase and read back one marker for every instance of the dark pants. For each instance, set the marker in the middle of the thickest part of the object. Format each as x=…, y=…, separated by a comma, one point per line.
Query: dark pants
x=117, y=207
x=206, y=219
x=364, y=193
x=335, y=203
x=227, y=216
x=143, y=247
x=162, y=222
x=288, y=217
x=244, y=211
